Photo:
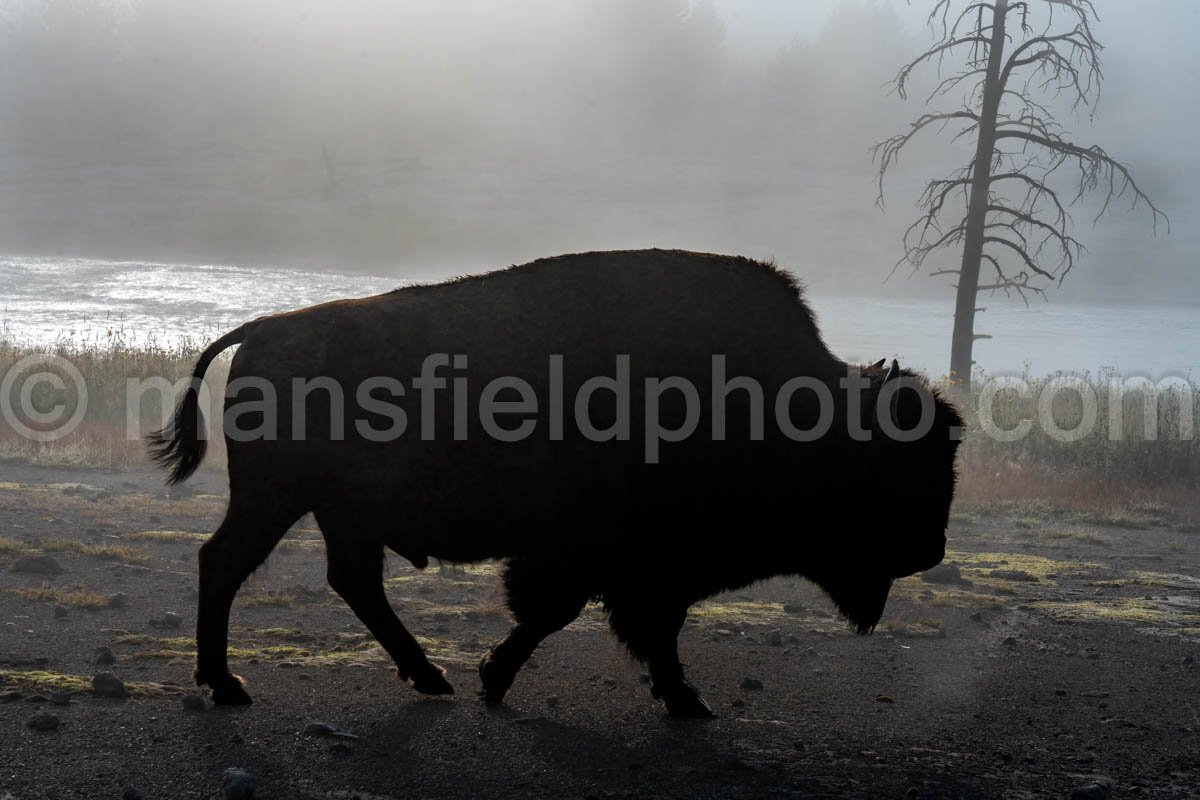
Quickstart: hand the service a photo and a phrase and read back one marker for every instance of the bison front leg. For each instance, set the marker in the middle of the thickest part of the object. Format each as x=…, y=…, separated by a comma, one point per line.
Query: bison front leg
x=650, y=629
x=544, y=595
x=355, y=572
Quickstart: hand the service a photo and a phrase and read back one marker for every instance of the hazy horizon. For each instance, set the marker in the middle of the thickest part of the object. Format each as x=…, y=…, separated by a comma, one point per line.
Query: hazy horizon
x=440, y=138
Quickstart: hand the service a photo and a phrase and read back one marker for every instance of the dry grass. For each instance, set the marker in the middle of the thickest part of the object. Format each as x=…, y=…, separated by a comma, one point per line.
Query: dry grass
x=166, y=537
x=105, y=438
x=122, y=554
x=8, y=545
x=1111, y=476
x=45, y=682
x=79, y=597
x=1040, y=492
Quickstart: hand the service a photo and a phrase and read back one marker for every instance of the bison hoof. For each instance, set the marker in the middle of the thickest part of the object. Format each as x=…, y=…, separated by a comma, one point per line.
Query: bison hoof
x=495, y=679
x=431, y=681
x=684, y=702
x=230, y=692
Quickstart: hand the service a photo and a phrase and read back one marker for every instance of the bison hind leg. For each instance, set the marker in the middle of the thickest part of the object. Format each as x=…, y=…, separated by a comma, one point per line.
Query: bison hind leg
x=649, y=628
x=545, y=595
x=242, y=542
x=355, y=571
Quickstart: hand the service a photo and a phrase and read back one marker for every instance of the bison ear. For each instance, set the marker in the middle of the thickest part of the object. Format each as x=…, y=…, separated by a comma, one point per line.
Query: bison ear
x=878, y=363
x=893, y=371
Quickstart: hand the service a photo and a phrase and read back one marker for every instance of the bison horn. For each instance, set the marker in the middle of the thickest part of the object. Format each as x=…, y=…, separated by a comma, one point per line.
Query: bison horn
x=878, y=363
x=893, y=371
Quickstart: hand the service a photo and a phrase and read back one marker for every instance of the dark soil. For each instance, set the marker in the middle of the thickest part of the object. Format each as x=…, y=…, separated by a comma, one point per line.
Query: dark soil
x=1060, y=655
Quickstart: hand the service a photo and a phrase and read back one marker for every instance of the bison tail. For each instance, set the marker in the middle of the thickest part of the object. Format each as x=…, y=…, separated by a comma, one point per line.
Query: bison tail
x=181, y=443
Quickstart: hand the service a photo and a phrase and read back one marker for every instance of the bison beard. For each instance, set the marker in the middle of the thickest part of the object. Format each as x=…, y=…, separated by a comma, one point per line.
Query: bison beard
x=574, y=519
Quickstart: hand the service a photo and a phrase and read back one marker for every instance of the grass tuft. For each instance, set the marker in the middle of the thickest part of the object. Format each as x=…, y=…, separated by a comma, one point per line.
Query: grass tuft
x=108, y=552
x=79, y=597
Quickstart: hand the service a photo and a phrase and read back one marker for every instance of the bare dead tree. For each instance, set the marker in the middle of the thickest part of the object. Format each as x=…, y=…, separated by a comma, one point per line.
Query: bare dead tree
x=1007, y=209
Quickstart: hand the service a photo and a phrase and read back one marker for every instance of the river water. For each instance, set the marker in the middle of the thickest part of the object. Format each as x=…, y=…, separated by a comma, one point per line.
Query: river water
x=92, y=303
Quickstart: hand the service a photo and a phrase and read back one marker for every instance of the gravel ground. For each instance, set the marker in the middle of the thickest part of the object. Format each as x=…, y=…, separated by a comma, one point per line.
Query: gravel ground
x=1047, y=658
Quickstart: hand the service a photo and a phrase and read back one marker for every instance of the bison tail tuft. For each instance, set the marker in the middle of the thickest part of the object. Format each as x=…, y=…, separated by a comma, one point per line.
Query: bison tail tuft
x=181, y=443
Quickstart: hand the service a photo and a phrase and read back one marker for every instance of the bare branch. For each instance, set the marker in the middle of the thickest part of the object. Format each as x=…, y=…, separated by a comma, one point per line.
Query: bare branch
x=888, y=151
x=1095, y=167
x=1020, y=251
x=905, y=74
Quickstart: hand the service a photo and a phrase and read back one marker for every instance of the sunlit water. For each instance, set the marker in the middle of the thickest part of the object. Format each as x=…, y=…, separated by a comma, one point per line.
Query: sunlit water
x=94, y=303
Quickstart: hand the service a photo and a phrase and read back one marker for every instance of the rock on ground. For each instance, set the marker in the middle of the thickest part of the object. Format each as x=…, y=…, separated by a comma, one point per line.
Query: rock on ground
x=105, y=684
x=37, y=565
x=43, y=722
x=238, y=784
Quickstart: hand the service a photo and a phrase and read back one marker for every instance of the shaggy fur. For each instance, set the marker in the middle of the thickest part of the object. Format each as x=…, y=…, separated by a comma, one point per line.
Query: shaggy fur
x=575, y=519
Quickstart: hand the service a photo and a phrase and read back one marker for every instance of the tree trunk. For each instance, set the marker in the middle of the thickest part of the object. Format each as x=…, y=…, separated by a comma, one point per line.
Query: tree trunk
x=981, y=178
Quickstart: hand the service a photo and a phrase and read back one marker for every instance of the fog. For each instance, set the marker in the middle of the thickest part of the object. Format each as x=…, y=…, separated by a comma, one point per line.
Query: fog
x=426, y=138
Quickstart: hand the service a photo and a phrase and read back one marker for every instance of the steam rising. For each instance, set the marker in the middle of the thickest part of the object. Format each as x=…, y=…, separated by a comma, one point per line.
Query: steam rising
x=427, y=136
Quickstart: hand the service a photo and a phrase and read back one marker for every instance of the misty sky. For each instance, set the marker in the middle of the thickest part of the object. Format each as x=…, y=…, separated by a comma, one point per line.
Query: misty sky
x=438, y=137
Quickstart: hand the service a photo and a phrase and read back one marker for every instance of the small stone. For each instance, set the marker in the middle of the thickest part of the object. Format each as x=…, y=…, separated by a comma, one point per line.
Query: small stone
x=43, y=722
x=738, y=703
x=327, y=729
x=793, y=608
x=60, y=611
x=118, y=600
x=552, y=702
x=36, y=698
x=753, y=684
x=1098, y=788
x=9, y=696
x=340, y=749
x=130, y=792
x=1189, y=660
x=193, y=702
x=172, y=620
x=1009, y=641
x=104, y=657
x=105, y=684
x=60, y=698
x=238, y=784
x=775, y=638
x=883, y=698
x=945, y=574
x=37, y=565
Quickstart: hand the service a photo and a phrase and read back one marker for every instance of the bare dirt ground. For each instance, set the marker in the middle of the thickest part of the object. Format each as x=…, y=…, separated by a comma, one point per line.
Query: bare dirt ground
x=1058, y=658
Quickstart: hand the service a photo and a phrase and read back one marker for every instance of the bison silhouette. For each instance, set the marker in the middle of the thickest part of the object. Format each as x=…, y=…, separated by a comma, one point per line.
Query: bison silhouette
x=644, y=429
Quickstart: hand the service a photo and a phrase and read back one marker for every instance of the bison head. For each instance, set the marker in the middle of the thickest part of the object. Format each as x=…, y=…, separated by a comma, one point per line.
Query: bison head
x=905, y=477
